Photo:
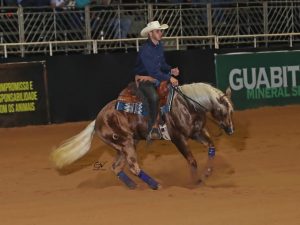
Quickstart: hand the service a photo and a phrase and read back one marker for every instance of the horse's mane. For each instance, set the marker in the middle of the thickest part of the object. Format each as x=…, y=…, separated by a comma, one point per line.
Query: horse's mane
x=203, y=93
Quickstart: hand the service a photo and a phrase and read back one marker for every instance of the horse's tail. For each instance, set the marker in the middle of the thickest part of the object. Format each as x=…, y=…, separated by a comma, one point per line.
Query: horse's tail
x=73, y=148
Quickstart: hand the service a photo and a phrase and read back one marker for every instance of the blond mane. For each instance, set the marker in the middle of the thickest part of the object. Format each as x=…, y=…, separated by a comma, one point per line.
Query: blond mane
x=205, y=94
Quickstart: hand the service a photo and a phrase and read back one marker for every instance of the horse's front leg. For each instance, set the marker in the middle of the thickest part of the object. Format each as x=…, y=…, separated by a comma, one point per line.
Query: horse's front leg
x=204, y=138
x=182, y=146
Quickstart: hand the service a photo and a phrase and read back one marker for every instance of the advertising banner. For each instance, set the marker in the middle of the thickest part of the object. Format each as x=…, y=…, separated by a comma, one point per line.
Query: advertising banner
x=260, y=79
x=23, y=94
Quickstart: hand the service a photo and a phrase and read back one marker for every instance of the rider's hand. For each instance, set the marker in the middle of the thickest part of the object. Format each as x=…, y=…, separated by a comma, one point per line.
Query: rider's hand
x=175, y=71
x=140, y=78
x=174, y=81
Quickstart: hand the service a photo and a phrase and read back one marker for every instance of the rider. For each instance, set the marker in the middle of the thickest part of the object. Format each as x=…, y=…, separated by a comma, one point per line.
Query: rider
x=150, y=69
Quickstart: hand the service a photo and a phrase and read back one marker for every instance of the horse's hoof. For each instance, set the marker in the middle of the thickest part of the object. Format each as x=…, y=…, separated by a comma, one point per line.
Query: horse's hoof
x=208, y=172
x=200, y=181
x=148, y=180
x=132, y=187
x=155, y=187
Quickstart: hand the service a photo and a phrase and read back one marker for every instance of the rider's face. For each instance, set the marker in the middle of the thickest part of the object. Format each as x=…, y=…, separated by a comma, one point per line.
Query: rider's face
x=156, y=35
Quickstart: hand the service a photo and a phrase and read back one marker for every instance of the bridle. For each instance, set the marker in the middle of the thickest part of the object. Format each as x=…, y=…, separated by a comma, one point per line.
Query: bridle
x=204, y=109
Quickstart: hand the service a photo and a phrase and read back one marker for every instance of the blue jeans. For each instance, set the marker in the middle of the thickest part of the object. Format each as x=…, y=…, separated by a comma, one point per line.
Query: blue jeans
x=151, y=99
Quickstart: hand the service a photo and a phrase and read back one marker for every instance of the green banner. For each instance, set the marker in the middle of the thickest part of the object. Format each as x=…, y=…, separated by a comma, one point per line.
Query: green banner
x=260, y=79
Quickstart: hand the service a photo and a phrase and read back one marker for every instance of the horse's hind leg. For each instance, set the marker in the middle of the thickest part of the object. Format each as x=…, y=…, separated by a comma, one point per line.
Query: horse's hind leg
x=134, y=167
x=112, y=139
x=117, y=168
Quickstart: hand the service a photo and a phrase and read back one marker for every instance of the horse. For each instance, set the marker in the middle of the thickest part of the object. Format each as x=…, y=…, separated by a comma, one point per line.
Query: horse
x=123, y=130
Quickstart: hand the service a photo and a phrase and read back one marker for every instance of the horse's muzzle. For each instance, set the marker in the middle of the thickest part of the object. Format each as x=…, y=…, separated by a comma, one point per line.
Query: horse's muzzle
x=228, y=130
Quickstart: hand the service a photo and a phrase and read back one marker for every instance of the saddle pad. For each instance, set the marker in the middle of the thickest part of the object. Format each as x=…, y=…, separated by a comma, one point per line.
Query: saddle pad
x=135, y=108
x=140, y=109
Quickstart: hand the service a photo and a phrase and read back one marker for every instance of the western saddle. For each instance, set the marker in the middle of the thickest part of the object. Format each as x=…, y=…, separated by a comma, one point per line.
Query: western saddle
x=130, y=93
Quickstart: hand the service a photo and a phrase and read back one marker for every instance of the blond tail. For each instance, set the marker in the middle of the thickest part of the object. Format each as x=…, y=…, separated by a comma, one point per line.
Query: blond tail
x=74, y=148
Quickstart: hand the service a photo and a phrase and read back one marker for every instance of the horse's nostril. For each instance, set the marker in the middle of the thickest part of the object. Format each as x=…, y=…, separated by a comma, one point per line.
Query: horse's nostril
x=229, y=130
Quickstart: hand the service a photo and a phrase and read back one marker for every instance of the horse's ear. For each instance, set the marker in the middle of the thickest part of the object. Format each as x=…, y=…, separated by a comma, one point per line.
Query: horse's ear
x=228, y=92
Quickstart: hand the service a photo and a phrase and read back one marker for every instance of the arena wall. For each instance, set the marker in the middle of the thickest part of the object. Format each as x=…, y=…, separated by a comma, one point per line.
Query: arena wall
x=78, y=86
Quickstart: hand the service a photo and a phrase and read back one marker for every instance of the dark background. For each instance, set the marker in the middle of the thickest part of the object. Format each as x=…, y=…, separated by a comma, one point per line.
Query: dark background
x=80, y=85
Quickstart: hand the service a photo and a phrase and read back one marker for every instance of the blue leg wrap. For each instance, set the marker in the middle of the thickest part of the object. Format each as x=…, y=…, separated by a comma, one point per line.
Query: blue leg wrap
x=126, y=180
x=147, y=179
x=211, y=152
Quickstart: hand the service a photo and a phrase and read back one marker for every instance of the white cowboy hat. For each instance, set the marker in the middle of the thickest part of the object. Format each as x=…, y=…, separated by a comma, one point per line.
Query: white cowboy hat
x=154, y=25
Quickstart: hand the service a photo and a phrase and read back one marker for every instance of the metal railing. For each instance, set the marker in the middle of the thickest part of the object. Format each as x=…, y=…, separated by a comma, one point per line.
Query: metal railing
x=51, y=47
x=41, y=30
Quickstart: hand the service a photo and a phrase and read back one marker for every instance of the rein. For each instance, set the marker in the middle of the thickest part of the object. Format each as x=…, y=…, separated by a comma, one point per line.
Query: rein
x=177, y=89
x=187, y=98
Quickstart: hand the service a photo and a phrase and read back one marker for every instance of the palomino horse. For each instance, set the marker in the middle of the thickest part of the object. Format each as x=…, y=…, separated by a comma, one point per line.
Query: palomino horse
x=123, y=130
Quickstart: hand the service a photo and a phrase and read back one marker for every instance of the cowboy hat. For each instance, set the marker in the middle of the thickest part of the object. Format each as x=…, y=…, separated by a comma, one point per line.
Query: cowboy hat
x=154, y=25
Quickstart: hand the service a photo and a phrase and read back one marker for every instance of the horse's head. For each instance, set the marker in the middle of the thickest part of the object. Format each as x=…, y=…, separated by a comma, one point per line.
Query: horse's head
x=222, y=112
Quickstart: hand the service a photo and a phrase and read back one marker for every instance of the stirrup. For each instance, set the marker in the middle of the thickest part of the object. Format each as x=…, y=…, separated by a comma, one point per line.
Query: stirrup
x=154, y=134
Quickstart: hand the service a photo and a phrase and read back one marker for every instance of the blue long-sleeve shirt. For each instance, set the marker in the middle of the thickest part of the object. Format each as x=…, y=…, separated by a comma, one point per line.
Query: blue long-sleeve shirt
x=151, y=62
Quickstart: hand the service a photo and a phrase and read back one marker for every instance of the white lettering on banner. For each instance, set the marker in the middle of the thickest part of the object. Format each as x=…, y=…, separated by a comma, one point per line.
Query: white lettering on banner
x=293, y=69
x=272, y=77
x=262, y=78
x=246, y=79
x=285, y=84
x=239, y=81
x=276, y=77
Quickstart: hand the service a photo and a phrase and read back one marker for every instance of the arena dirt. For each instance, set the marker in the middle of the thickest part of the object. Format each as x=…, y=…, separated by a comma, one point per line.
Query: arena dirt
x=256, y=179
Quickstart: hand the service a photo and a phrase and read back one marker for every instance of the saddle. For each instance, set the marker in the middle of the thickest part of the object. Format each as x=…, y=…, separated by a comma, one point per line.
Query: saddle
x=130, y=93
x=130, y=101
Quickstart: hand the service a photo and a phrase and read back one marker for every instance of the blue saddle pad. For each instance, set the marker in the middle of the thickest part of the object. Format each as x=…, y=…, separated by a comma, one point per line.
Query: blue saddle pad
x=140, y=109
